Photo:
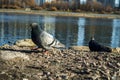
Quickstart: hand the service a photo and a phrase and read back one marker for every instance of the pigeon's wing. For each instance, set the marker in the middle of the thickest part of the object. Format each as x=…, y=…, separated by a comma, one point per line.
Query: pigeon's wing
x=48, y=41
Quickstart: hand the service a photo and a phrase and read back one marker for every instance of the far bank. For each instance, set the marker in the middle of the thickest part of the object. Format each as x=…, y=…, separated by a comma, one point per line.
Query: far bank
x=61, y=13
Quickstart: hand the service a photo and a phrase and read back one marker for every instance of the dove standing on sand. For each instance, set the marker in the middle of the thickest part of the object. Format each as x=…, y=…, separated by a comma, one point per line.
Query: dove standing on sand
x=95, y=46
x=43, y=39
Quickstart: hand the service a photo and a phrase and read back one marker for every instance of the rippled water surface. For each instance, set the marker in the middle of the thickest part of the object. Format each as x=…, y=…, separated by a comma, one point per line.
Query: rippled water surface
x=69, y=30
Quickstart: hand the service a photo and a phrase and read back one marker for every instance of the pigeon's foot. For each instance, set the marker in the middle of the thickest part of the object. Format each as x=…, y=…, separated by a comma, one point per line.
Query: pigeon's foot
x=37, y=49
x=46, y=52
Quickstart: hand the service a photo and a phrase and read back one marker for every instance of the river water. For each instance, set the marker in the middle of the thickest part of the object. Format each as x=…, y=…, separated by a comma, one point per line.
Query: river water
x=69, y=30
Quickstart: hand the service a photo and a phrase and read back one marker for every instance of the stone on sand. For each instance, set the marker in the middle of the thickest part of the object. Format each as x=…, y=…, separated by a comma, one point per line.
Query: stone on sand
x=116, y=50
x=8, y=55
x=79, y=48
x=25, y=43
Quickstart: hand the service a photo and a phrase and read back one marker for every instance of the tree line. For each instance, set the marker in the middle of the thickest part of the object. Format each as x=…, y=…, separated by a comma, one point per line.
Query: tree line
x=17, y=4
x=54, y=6
x=77, y=7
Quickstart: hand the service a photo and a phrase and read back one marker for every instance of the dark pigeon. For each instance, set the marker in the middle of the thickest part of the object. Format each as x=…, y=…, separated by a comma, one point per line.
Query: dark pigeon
x=95, y=46
x=43, y=39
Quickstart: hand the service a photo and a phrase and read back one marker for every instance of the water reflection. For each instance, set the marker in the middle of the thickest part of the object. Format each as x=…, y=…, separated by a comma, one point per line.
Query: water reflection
x=49, y=24
x=81, y=31
x=12, y=28
x=116, y=33
x=100, y=28
x=69, y=30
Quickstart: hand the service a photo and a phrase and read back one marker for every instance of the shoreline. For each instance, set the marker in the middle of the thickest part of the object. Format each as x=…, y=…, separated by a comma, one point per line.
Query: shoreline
x=62, y=14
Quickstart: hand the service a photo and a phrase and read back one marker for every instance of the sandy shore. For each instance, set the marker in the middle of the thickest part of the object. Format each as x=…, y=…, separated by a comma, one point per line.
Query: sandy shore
x=58, y=13
x=20, y=63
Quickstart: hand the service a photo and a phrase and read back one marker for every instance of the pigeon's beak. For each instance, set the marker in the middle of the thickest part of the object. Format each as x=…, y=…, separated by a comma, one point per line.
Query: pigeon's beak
x=92, y=38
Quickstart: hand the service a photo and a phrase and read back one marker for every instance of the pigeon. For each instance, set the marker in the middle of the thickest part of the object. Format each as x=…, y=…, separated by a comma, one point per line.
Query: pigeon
x=95, y=46
x=43, y=39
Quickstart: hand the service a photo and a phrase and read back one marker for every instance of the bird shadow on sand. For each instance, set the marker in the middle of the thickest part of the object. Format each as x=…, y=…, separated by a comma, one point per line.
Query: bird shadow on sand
x=22, y=51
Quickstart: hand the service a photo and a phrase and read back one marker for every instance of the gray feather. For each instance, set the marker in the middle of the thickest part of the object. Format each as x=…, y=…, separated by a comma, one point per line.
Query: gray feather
x=43, y=39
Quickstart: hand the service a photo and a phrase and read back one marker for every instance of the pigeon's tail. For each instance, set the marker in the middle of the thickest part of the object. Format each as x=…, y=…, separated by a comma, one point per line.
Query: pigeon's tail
x=59, y=45
x=106, y=49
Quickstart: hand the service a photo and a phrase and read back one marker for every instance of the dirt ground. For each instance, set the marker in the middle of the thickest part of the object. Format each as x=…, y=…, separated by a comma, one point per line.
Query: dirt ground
x=22, y=63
